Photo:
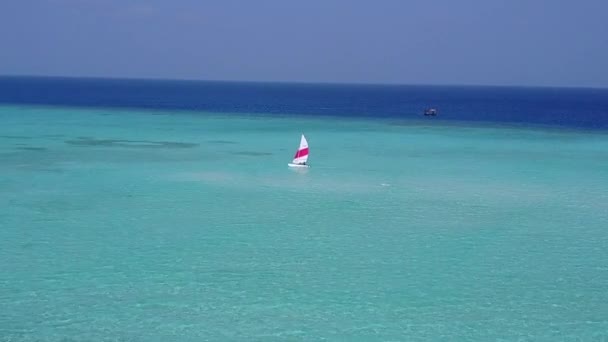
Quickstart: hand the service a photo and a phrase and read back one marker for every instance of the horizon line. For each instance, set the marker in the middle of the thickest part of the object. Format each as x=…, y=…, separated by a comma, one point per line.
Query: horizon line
x=295, y=82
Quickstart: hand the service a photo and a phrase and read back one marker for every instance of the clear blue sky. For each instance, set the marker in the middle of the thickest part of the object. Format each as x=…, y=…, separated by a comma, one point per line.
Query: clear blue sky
x=508, y=42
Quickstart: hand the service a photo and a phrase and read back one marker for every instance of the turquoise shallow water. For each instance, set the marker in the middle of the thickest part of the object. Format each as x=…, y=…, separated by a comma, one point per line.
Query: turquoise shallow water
x=156, y=226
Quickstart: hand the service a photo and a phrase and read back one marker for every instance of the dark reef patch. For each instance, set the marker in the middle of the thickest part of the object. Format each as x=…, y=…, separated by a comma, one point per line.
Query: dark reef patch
x=251, y=153
x=15, y=137
x=53, y=135
x=31, y=148
x=222, y=142
x=86, y=141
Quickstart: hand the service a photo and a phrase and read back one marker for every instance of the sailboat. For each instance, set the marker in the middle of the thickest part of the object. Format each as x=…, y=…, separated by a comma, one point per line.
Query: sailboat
x=299, y=160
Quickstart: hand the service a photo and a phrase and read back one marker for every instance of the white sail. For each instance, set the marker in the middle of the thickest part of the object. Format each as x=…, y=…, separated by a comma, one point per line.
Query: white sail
x=301, y=155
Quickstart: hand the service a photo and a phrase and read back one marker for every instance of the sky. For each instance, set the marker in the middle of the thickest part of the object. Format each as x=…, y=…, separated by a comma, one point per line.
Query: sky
x=468, y=42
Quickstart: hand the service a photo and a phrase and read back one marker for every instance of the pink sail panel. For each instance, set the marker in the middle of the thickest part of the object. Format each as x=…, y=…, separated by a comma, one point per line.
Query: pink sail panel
x=301, y=153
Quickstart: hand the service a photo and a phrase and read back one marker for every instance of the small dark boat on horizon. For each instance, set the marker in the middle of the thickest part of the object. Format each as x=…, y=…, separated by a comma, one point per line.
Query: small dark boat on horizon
x=430, y=112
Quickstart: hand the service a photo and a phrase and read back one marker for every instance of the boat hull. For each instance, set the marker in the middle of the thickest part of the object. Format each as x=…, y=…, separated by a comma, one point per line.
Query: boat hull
x=297, y=165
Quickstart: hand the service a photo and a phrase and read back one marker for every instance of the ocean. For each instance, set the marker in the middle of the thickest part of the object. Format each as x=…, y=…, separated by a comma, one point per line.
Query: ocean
x=135, y=210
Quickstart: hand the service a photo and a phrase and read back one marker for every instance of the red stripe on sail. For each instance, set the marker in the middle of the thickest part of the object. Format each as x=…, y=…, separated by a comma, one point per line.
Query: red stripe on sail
x=301, y=153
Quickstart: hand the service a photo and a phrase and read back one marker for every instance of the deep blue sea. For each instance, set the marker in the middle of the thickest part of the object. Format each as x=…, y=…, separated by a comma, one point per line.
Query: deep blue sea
x=575, y=108
x=165, y=211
